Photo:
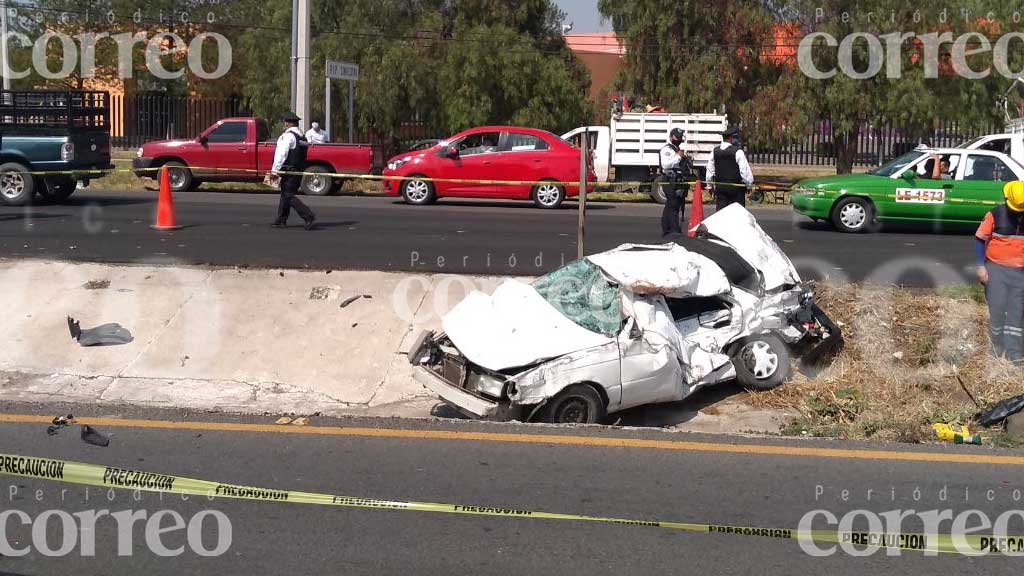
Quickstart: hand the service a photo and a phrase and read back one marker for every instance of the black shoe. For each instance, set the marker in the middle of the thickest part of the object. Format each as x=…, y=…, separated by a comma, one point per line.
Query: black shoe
x=311, y=223
x=279, y=224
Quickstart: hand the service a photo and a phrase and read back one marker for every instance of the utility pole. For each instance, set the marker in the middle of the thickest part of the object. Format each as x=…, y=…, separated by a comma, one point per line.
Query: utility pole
x=291, y=59
x=3, y=46
x=302, y=64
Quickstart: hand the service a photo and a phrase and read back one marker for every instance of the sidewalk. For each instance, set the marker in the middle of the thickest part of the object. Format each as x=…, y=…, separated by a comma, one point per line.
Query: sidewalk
x=247, y=341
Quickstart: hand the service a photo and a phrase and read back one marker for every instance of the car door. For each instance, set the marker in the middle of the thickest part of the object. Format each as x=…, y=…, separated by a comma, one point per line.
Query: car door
x=979, y=187
x=229, y=150
x=477, y=157
x=524, y=157
x=919, y=197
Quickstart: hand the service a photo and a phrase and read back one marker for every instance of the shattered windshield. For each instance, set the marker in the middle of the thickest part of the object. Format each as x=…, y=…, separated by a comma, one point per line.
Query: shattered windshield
x=582, y=294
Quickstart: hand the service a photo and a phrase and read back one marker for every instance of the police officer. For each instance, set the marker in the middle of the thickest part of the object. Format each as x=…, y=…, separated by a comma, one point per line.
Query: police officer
x=677, y=169
x=729, y=170
x=290, y=157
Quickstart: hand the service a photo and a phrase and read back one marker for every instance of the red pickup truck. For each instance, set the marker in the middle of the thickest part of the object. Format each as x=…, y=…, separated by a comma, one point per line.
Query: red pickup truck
x=242, y=150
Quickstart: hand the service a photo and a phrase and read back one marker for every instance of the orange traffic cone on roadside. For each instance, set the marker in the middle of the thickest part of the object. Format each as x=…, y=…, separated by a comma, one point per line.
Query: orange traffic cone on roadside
x=165, y=204
x=696, y=210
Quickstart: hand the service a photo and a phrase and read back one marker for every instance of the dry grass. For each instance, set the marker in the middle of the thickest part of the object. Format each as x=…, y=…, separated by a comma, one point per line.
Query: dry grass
x=898, y=373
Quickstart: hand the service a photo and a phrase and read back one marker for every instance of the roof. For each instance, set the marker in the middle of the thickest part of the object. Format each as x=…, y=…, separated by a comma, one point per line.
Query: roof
x=598, y=43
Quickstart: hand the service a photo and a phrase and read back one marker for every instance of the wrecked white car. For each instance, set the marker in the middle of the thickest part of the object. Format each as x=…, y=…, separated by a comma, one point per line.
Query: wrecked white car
x=635, y=325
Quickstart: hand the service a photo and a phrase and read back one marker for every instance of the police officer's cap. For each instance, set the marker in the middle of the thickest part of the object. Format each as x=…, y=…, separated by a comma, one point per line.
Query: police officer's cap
x=731, y=131
x=677, y=133
x=290, y=117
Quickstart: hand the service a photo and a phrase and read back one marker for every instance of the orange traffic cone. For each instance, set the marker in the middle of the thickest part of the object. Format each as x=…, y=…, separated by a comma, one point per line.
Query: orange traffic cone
x=696, y=210
x=165, y=204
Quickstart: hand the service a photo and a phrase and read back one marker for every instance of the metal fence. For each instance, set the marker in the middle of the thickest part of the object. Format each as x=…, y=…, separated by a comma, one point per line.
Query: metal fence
x=875, y=144
x=139, y=118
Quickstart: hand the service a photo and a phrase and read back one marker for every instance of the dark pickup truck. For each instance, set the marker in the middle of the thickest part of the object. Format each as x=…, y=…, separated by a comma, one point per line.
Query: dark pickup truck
x=64, y=133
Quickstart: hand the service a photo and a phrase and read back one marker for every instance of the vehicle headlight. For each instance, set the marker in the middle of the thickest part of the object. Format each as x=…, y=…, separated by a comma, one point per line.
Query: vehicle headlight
x=395, y=164
x=138, y=153
x=485, y=384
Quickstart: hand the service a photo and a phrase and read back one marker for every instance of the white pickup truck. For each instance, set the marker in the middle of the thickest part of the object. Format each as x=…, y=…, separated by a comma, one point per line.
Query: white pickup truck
x=1010, y=142
x=627, y=149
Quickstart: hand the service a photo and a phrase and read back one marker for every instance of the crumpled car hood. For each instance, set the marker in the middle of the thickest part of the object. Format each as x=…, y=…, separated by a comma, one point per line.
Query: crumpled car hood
x=738, y=228
x=514, y=327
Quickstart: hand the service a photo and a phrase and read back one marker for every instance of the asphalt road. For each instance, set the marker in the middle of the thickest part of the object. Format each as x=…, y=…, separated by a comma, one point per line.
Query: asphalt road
x=454, y=237
x=697, y=482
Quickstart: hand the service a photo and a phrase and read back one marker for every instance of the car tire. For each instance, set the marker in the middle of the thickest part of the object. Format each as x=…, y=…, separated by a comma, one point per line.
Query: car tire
x=17, y=186
x=548, y=195
x=57, y=190
x=657, y=192
x=576, y=404
x=418, y=192
x=181, y=177
x=317, y=185
x=761, y=362
x=853, y=215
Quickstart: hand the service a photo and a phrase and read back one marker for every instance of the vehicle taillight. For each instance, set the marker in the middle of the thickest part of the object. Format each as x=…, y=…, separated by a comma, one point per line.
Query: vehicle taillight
x=67, y=151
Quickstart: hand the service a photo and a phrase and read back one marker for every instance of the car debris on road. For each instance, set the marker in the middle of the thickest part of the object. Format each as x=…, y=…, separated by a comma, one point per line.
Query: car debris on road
x=635, y=325
x=105, y=335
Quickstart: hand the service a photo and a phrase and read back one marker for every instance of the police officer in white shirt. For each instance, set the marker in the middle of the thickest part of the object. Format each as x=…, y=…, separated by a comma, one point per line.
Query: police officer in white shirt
x=315, y=135
x=677, y=169
x=729, y=170
x=290, y=157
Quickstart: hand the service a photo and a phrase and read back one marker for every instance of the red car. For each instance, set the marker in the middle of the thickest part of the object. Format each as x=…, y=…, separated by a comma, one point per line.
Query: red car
x=489, y=153
x=242, y=150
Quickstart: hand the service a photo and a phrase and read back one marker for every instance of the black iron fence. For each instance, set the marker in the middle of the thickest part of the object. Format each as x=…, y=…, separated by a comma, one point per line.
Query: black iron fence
x=139, y=118
x=875, y=144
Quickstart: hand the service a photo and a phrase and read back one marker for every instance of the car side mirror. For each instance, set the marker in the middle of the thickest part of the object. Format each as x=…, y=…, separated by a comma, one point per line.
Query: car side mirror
x=715, y=319
x=204, y=140
x=908, y=175
x=452, y=152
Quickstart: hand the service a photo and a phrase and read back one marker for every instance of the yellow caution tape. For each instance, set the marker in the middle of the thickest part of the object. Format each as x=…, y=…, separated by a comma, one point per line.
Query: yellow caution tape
x=571, y=184
x=129, y=479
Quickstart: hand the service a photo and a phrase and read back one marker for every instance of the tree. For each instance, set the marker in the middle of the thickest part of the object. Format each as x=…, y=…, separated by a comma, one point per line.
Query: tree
x=907, y=96
x=448, y=63
x=699, y=56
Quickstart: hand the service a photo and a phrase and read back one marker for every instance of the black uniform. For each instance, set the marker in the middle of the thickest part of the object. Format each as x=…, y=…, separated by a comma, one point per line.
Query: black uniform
x=729, y=185
x=676, y=187
x=295, y=162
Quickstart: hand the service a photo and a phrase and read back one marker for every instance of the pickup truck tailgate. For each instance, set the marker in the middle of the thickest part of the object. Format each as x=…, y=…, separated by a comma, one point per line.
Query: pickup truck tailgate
x=92, y=149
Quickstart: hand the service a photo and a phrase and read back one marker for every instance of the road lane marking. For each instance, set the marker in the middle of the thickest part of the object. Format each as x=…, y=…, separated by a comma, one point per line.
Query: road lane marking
x=555, y=440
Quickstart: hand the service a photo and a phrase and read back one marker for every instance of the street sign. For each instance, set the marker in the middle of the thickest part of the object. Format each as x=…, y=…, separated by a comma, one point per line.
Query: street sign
x=342, y=70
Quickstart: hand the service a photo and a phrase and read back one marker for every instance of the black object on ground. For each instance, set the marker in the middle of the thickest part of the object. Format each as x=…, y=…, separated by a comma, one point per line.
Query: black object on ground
x=59, y=422
x=1001, y=411
x=105, y=335
x=354, y=298
x=91, y=436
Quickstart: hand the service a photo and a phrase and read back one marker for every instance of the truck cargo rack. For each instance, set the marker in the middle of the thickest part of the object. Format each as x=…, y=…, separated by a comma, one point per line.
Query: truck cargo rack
x=29, y=111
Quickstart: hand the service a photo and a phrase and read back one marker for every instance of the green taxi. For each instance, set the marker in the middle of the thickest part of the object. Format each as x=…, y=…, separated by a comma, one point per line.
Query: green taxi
x=906, y=190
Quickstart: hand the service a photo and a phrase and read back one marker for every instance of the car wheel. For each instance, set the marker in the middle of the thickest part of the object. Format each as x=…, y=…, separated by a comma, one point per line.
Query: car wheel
x=548, y=195
x=418, y=192
x=317, y=184
x=56, y=190
x=577, y=404
x=180, y=175
x=16, y=185
x=853, y=215
x=761, y=362
x=657, y=191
